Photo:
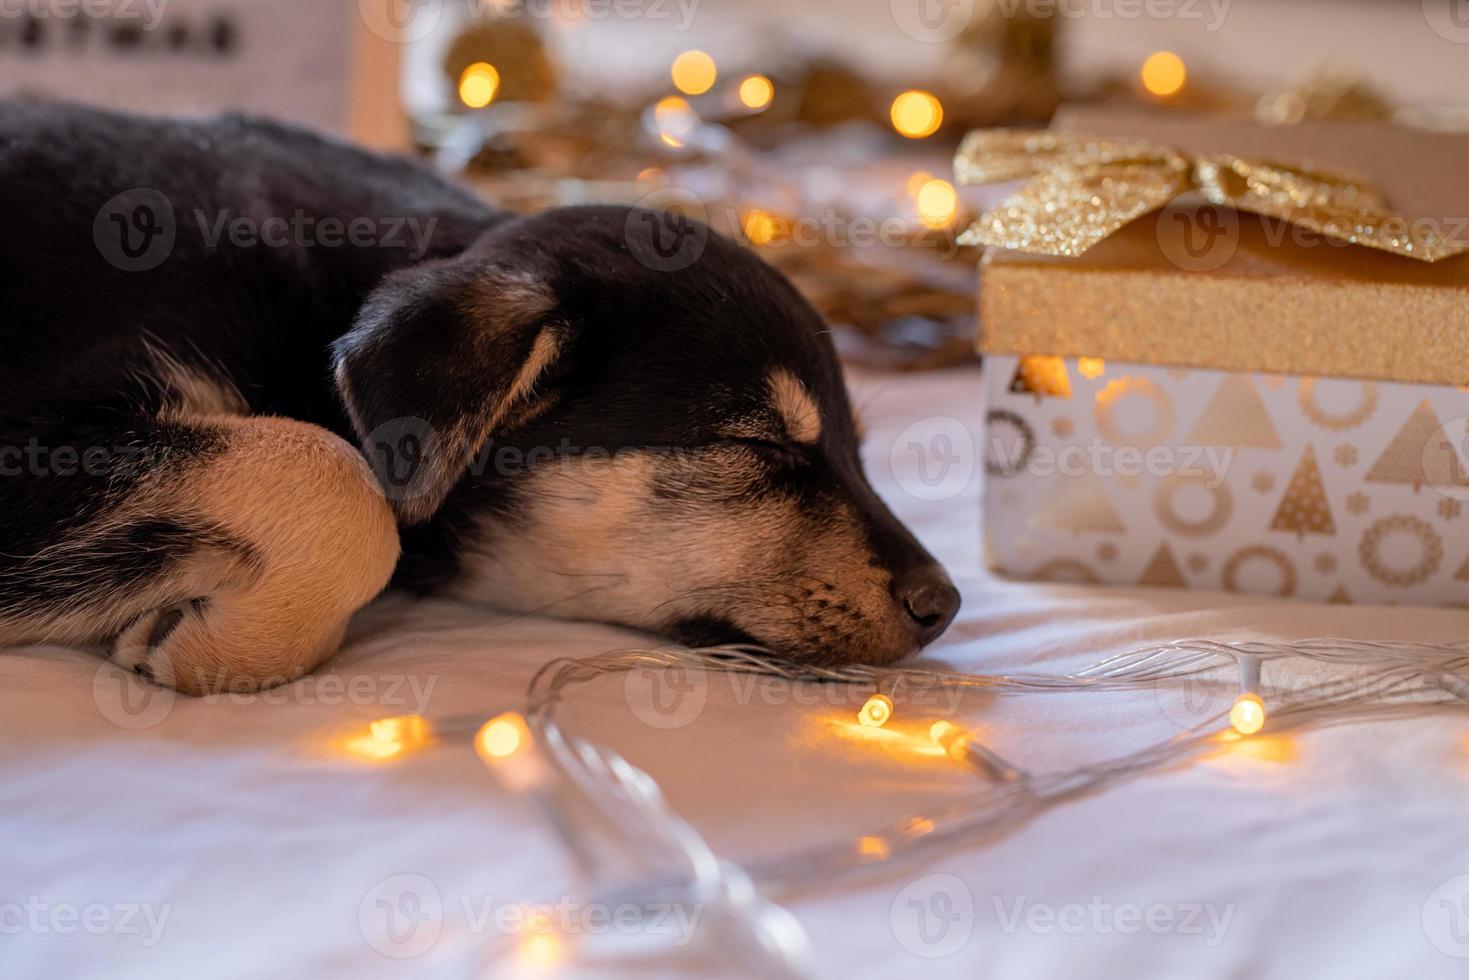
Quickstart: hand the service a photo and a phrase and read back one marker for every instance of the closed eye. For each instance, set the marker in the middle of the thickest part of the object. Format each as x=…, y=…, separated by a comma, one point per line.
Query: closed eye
x=783, y=452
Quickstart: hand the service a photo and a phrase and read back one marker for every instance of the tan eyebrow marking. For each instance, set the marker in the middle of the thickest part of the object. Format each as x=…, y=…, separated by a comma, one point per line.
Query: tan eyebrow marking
x=793, y=404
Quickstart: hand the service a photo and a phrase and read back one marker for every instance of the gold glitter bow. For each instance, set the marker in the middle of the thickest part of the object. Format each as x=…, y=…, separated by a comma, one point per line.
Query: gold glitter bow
x=1085, y=188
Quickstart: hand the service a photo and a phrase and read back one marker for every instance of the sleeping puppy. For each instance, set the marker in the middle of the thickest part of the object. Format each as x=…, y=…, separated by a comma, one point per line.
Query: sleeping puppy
x=594, y=412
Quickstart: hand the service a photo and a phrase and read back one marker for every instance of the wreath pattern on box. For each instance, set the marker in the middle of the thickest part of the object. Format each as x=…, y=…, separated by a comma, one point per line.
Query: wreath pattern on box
x=1125, y=387
x=1230, y=573
x=1430, y=558
x=1337, y=423
x=1023, y=431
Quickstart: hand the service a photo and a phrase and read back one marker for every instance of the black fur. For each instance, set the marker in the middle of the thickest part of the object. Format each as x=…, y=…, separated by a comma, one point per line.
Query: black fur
x=652, y=352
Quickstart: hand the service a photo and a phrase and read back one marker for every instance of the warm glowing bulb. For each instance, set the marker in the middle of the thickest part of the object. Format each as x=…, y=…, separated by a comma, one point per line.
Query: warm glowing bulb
x=390, y=737
x=501, y=736
x=540, y=950
x=950, y=737
x=694, y=72
x=917, y=180
x=919, y=826
x=937, y=202
x=676, y=119
x=1090, y=367
x=876, y=712
x=873, y=848
x=756, y=91
x=761, y=227
x=1248, y=714
x=1163, y=73
x=405, y=730
x=478, y=84
x=917, y=114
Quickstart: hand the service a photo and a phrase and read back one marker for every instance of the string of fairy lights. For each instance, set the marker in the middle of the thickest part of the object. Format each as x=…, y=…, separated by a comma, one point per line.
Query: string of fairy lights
x=631, y=850
x=915, y=114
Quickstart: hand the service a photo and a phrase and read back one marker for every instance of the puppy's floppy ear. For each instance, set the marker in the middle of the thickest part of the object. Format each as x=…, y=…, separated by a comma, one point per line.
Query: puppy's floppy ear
x=437, y=357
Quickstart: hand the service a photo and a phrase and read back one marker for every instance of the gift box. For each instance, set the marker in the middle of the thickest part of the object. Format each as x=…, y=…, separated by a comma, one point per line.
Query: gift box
x=1223, y=356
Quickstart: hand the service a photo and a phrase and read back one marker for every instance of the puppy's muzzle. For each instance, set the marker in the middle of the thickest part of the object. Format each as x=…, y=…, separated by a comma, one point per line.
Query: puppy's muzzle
x=929, y=599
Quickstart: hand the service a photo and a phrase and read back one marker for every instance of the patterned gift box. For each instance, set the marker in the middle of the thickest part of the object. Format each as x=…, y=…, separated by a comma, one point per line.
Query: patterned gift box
x=1329, y=489
x=1198, y=374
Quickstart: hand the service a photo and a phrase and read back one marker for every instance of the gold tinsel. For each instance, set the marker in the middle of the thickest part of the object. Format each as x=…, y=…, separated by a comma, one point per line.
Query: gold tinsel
x=1085, y=188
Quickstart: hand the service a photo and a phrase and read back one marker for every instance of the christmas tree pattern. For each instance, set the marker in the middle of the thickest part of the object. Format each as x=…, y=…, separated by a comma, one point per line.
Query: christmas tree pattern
x=1420, y=453
x=1042, y=376
x=1077, y=503
x=1162, y=570
x=1340, y=597
x=1462, y=575
x=1236, y=416
x=1304, y=509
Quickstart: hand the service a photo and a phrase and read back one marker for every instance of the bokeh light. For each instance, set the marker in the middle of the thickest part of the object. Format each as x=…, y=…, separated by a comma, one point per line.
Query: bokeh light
x=761, y=227
x=1163, y=73
x=694, y=72
x=676, y=119
x=540, y=950
x=876, y=711
x=916, y=181
x=478, y=84
x=756, y=91
x=938, y=202
x=1248, y=714
x=917, y=114
x=501, y=736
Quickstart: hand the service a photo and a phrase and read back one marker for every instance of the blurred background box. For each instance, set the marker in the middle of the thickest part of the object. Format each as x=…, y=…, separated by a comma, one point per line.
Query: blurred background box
x=311, y=62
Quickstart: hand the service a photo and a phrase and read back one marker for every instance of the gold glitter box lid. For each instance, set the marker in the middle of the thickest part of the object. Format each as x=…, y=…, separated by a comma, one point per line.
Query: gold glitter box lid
x=1199, y=286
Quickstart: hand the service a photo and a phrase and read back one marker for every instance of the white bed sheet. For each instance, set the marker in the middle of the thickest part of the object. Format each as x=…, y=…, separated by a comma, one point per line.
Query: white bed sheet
x=268, y=849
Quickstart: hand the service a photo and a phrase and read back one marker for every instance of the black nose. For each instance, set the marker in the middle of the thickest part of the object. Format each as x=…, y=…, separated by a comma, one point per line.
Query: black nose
x=930, y=599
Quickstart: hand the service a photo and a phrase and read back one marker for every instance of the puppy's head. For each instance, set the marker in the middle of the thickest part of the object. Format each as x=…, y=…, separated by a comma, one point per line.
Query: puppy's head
x=613, y=414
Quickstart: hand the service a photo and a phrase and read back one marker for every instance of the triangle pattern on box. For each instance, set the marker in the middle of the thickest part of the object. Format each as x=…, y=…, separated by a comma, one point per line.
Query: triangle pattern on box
x=1162, y=570
x=1077, y=503
x=1235, y=416
x=1304, y=508
x=1421, y=453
